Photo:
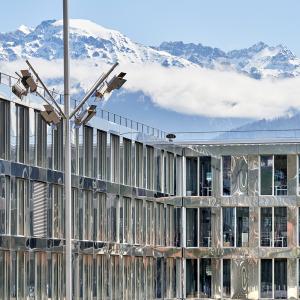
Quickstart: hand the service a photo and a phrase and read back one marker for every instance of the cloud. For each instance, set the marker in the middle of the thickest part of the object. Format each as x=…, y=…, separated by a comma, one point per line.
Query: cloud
x=191, y=90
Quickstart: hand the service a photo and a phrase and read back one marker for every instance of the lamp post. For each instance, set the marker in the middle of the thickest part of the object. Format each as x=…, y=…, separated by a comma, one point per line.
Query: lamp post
x=53, y=114
x=67, y=149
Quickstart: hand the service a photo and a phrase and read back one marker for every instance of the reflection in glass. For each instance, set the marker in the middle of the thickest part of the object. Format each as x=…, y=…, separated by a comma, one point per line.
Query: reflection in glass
x=88, y=150
x=101, y=153
x=115, y=158
x=150, y=173
x=205, y=176
x=266, y=172
x=127, y=161
x=191, y=176
x=22, y=133
x=266, y=278
x=4, y=128
x=228, y=226
x=280, y=227
x=266, y=227
x=226, y=170
x=227, y=278
x=280, y=175
x=205, y=278
x=242, y=226
x=40, y=140
x=205, y=227
x=191, y=278
x=280, y=278
x=139, y=164
x=191, y=227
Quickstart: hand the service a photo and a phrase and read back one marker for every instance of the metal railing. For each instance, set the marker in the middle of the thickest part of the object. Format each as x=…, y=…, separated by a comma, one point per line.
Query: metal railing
x=101, y=113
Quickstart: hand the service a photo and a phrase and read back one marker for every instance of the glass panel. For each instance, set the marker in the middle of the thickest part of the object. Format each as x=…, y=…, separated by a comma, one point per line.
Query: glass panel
x=266, y=226
x=4, y=129
x=191, y=278
x=127, y=161
x=57, y=143
x=139, y=164
x=227, y=278
x=205, y=176
x=205, y=227
x=280, y=227
x=40, y=140
x=280, y=278
x=115, y=158
x=57, y=211
x=88, y=150
x=266, y=173
x=228, y=226
x=205, y=278
x=266, y=278
x=101, y=146
x=191, y=227
x=280, y=175
x=150, y=163
x=191, y=176
x=22, y=133
x=226, y=169
x=242, y=226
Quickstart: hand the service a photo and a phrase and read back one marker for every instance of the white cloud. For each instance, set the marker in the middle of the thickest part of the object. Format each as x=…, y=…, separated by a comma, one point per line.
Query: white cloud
x=191, y=90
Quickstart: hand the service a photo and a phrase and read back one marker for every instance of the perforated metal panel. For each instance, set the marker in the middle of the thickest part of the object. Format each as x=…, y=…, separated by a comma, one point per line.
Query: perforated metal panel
x=39, y=209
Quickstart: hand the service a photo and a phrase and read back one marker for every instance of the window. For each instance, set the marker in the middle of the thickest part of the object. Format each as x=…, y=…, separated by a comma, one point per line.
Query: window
x=201, y=233
x=115, y=158
x=139, y=164
x=101, y=153
x=87, y=216
x=227, y=278
x=22, y=133
x=226, y=173
x=178, y=176
x=127, y=161
x=20, y=208
x=235, y=226
x=191, y=227
x=191, y=278
x=205, y=278
x=57, y=142
x=88, y=150
x=273, y=227
x=273, y=175
x=191, y=176
x=205, y=227
x=205, y=176
x=150, y=163
x=40, y=140
x=57, y=211
x=4, y=129
x=278, y=269
x=100, y=217
x=158, y=169
x=4, y=204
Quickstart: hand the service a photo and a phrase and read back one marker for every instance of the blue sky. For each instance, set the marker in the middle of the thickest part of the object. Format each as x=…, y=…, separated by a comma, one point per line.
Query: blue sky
x=226, y=24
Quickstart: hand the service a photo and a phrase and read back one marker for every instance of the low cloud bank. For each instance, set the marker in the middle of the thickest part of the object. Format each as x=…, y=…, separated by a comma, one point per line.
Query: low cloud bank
x=190, y=90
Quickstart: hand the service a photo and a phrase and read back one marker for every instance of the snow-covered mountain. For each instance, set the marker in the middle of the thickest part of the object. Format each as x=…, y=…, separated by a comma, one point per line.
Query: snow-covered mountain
x=91, y=44
x=258, y=61
x=88, y=40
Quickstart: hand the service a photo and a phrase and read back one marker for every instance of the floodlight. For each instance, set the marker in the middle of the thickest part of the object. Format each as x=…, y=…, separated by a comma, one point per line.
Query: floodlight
x=50, y=115
x=114, y=84
x=28, y=81
x=85, y=115
x=171, y=137
x=18, y=90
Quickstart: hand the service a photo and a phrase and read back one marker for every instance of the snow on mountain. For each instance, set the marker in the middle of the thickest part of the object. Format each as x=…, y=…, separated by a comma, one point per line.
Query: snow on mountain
x=258, y=61
x=87, y=40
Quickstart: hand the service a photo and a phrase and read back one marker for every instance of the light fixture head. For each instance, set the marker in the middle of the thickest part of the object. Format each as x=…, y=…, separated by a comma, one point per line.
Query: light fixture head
x=28, y=81
x=85, y=115
x=50, y=115
x=171, y=137
x=18, y=90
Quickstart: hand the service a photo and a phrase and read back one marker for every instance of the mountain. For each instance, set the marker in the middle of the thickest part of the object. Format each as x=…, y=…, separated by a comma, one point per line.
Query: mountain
x=87, y=41
x=258, y=61
x=92, y=45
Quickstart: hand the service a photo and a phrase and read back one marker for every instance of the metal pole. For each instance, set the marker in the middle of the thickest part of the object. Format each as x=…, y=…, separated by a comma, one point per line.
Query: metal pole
x=68, y=189
x=93, y=89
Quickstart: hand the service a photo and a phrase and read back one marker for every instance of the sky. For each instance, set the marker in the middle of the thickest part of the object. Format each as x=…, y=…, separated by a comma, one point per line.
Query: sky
x=227, y=24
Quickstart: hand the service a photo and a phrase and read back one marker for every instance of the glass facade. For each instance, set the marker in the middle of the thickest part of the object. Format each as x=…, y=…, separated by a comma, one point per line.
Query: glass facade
x=149, y=219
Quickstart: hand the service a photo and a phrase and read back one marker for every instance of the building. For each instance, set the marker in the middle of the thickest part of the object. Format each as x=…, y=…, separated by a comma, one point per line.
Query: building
x=151, y=219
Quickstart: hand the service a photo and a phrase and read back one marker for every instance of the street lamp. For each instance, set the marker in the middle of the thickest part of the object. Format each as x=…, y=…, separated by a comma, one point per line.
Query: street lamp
x=53, y=114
